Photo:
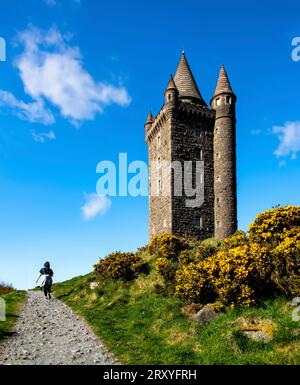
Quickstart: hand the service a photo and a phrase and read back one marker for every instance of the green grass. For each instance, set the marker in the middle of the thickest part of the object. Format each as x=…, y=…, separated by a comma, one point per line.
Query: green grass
x=13, y=302
x=142, y=327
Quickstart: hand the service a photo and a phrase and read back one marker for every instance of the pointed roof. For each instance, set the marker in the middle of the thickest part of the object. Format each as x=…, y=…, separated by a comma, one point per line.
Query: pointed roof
x=223, y=84
x=171, y=85
x=185, y=81
x=150, y=118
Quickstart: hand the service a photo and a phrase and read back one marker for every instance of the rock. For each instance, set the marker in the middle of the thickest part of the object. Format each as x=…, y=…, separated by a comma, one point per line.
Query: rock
x=258, y=335
x=191, y=309
x=205, y=315
x=257, y=329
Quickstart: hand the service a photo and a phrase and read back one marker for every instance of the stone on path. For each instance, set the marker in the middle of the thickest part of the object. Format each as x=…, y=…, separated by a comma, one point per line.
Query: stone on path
x=50, y=333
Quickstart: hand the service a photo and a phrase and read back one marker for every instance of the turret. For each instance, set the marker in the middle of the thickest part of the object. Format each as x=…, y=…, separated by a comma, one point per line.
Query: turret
x=149, y=121
x=171, y=93
x=223, y=102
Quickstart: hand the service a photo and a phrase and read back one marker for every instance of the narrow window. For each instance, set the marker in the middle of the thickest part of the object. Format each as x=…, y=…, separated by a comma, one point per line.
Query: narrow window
x=199, y=154
x=218, y=179
x=158, y=140
x=219, y=224
x=228, y=99
x=158, y=162
x=218, y=155
x=198, y=221
x=159, y=186
x=218, y=101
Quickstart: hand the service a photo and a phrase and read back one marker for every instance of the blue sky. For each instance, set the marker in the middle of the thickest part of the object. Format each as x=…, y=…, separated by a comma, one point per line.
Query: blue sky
x=110, y=63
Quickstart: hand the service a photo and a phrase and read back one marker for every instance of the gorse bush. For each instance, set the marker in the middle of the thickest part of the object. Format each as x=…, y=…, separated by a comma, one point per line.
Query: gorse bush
x=286, y=263
x=239, y=238
x=167, y=246
x=236, y=277
x=119, y=266
x=194, y=285
x=247, y=269
x=271, y=226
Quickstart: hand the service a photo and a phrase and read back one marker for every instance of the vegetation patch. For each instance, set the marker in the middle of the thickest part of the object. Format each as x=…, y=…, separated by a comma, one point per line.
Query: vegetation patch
x=144, y=305
x=13, y=301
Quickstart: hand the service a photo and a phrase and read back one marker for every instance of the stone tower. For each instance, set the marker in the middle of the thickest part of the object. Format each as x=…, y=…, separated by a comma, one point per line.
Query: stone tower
x=223, y=102
x=192, y=176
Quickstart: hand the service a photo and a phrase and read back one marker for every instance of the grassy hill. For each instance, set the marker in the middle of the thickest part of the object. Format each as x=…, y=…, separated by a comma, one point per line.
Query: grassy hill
x=142, y=326
x=13, y=300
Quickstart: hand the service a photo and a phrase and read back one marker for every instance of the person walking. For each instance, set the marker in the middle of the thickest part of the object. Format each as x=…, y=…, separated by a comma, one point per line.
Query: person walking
x=46, y=274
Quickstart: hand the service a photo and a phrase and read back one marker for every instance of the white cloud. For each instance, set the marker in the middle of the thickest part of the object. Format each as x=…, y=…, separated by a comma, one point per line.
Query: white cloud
x=289, y=139
x=41, y=137
x=52, y=72
x=33, y=112
x=95, y=205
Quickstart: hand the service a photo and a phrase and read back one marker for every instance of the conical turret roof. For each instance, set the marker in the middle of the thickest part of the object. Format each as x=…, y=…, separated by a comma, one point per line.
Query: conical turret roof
x=150, y=118
x=171, y=85
x=223, y=84
x=185, y=81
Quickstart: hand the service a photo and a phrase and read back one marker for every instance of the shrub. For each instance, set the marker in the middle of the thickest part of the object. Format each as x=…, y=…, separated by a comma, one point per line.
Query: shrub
x=119, y=266
x=286, y=263
x=246, y=269
x=193, y=284
x=188, y=256
x=239, y=238
x=241, y=275
x=206, y=248
x=167, y=269
x=236, y=277
x=167, y=246
x=271, y=226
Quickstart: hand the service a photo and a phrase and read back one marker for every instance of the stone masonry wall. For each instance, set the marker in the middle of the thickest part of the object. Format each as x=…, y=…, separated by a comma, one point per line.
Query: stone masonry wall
x=225, y=169
x=192, y=131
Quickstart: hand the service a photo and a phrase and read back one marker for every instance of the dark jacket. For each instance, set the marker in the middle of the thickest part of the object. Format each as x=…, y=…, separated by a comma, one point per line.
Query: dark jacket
x=46, y=271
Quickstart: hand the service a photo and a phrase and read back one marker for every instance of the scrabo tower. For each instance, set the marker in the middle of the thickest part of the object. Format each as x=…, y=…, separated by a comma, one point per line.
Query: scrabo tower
x=185, y=133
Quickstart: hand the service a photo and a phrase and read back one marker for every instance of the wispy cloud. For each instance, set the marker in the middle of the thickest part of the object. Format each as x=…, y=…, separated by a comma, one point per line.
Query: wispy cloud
x=52, y=73
x=43, y=136
x=95, y=205
x=33, y=112
x=289, y=139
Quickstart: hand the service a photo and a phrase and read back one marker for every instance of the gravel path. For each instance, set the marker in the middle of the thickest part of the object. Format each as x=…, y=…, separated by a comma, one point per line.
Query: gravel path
x=49, y=333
